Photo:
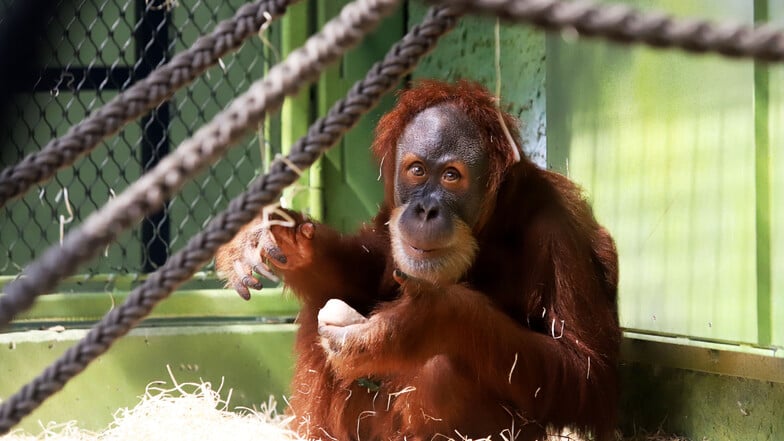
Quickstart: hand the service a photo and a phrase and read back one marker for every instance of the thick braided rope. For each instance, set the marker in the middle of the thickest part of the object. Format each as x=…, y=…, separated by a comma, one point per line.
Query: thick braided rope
x=263, y=191
x=628, y=25
x=144, y=95
x=209, y=143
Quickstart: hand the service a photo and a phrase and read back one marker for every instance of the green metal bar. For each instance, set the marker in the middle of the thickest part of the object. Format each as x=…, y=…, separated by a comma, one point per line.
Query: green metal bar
x=315, y=173
x=329, y=88
x=763, y=186
x=683, y=353
x=111, y=281
x=96, y=278
x=295, y=116
x=558, y=126
x=200, y=303
x=716, y=345
x=349, y=174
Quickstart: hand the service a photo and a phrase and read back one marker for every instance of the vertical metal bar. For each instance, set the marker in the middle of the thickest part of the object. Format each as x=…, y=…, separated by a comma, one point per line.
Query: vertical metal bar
x=316, y=187
x=296, y=111
x=273, y=120
x=558, y=69
x=152, y=49
x=348, y=187
x=763, y=189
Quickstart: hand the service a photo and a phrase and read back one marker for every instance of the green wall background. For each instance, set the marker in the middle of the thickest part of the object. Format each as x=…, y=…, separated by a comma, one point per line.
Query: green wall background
x=469, y=52
x=674, y=151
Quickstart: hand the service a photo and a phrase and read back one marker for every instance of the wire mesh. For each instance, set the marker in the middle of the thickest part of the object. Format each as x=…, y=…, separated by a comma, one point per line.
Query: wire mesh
x=94, y=50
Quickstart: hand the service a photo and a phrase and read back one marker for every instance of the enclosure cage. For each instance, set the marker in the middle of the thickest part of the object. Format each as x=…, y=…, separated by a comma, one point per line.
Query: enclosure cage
x=93, y=50
x=681, y=157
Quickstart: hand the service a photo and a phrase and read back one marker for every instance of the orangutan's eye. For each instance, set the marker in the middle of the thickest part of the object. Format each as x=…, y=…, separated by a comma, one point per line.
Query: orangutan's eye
x=416, y=169
x=451, y=175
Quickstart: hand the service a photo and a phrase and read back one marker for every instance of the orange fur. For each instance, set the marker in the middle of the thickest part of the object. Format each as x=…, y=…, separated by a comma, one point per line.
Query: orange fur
x=527, y=338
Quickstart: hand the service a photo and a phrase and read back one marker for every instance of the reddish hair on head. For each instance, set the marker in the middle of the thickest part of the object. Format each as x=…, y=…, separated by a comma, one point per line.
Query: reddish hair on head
x=472, y=98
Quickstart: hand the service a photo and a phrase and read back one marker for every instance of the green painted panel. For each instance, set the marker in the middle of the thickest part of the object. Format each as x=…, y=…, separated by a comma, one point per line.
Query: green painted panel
x=251, y=361
x=701, y=391
x=305, y=194
x=469, y=52
x=80, y=308
x=349, y=174
x=775, y=119
x=699, y=406
x=664, y=144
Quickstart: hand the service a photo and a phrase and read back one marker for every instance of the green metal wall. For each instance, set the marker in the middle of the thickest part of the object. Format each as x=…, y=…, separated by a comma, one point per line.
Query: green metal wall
x=674, y=153
x=251, y=361
x=469, y=51
x=349, y=174
x=775, y=122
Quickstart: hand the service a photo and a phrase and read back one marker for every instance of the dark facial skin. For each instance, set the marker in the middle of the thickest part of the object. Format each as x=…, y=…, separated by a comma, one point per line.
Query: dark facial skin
x=441, y=167
x=440, y=186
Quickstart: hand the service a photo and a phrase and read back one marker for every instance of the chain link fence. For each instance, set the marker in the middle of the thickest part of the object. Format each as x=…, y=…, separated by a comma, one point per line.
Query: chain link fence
x=93, y=50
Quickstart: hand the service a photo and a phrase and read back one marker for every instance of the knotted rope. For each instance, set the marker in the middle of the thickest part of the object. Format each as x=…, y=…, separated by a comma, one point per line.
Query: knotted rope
x=144, y=95
x=209, y=143
x=265, y=190
x=624, y=24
